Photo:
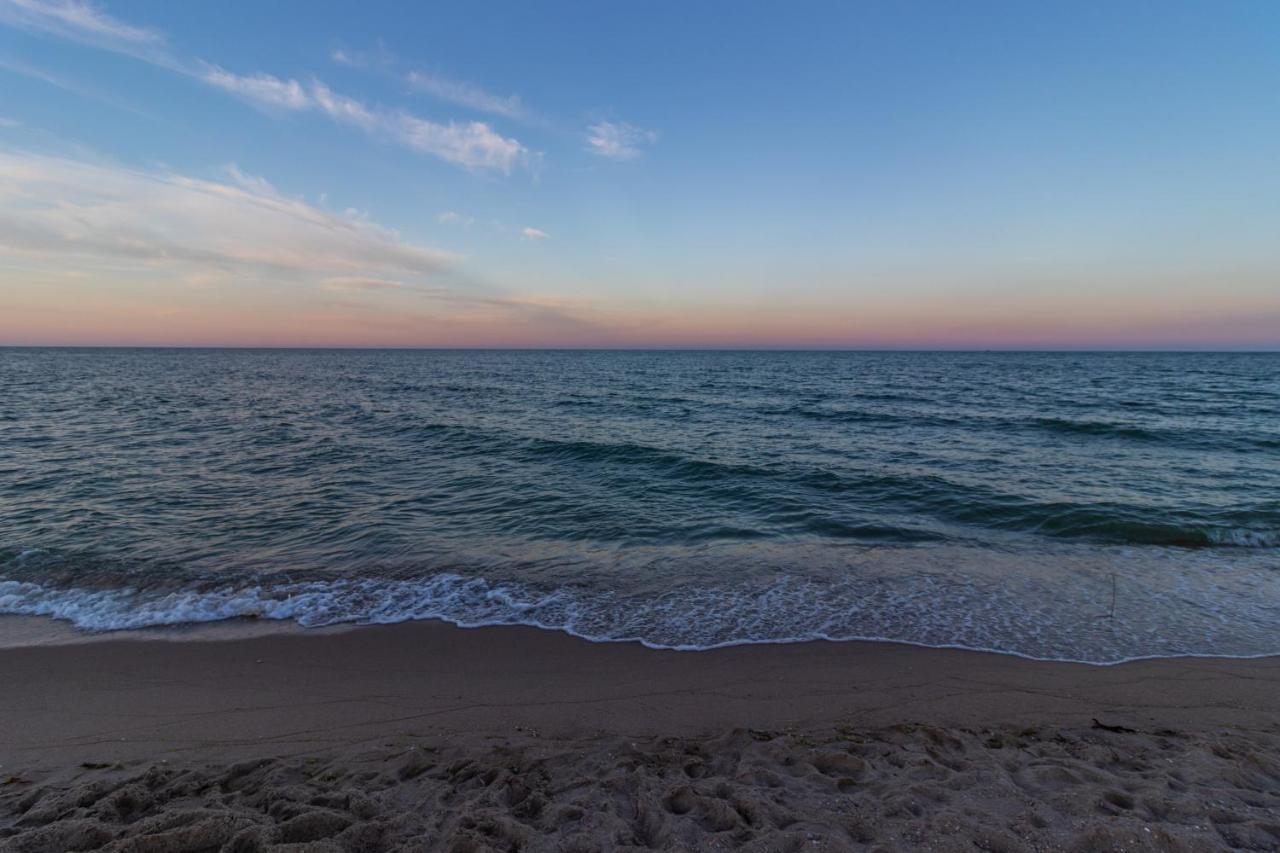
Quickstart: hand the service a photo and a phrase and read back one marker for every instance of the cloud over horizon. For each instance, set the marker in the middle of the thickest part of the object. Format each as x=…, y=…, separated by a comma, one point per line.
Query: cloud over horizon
x=55, y=208
x=315, y=276
x=790, y=214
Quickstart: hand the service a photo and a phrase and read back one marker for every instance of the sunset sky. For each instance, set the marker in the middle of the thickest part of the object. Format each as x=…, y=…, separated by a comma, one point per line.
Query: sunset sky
x=914, y=175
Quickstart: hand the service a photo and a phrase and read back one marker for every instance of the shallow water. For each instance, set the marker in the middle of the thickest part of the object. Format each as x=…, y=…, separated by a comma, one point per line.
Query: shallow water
x=1000, y=501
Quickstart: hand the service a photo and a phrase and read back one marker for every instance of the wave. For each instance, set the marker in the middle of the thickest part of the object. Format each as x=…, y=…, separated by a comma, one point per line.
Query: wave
x=1184, y=437
x=864, y=498
x=1256, y=526
x=1120, y=525
x=1170, y=436
x=1105, y=428
x=1243, y=538
x=834, y=529
x=925, y=610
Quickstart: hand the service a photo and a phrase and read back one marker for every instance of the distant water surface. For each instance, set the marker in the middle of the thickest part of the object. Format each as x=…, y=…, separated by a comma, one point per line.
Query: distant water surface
x=1089, y=507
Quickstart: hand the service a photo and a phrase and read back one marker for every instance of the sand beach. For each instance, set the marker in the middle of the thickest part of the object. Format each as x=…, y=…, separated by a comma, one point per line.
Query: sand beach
x=424, y=736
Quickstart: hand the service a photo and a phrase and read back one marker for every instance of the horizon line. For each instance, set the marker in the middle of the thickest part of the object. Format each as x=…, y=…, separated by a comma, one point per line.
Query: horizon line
x=641, y=349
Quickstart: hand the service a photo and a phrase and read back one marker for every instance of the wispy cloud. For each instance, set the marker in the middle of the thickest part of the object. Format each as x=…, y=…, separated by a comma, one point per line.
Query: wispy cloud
x=380, y=56
x=439, y=86
x=466, y=95
x=33, y=72
x=9, y=122
x=451, y=217
x=346, y=57
x=342, y=108
x=345, y=283
x=618, y=140
x=74, y=17
x=534, y=234
x=61, y=209
x=252, y=183
x=84, y=22
x=260, y=89
x=154, y=243
x=76, y=88
x=473, y=144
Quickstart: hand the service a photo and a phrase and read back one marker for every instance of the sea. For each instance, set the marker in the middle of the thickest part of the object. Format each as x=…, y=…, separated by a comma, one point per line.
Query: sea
x=1093, y=507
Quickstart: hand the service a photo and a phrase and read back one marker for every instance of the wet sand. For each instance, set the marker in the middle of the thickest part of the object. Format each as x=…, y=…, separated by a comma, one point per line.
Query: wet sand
x=428, y=737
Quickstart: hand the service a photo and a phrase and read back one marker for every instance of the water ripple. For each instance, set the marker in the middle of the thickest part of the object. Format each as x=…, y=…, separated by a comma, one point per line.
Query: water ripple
x=831, y=484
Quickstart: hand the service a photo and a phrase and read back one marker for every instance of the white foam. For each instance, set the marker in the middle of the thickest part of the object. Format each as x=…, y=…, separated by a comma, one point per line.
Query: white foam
x=925, y=611
x=1243, y=538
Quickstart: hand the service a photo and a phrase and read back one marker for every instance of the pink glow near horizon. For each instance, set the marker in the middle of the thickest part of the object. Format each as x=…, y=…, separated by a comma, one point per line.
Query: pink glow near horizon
x=226, y=323
x=100, y=255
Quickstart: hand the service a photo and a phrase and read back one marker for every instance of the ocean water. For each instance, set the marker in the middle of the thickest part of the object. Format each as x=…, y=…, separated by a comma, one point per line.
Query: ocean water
x=1093, y=507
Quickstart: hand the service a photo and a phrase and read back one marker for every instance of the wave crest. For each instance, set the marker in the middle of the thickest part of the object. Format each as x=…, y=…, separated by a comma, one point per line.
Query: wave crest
x=925, y=608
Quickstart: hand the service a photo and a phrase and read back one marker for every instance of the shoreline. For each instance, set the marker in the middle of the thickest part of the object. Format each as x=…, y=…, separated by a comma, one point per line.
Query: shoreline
x=994, y=604
x=24, y=631
x=521, y=676
x=21, y=631
x=424, y=736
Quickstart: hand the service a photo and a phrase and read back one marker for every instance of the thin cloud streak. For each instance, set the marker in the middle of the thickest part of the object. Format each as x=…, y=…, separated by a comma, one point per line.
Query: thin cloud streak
x=452, y=217
x=97, y=252
x=260, y=89
x=618, y=140
x=343, y=283
x=467, y=95
x=343, y=57
x=472, y=145
x=436, y=85
x=51, y=208
x=33, y=73
x=75, y=19
x=363, y=58
x=79, y=21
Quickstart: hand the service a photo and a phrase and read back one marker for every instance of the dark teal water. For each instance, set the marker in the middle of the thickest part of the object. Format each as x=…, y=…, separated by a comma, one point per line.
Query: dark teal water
x=682, y=499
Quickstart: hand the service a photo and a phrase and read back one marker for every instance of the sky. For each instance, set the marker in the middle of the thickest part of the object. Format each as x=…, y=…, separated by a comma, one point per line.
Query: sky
x=664, y=174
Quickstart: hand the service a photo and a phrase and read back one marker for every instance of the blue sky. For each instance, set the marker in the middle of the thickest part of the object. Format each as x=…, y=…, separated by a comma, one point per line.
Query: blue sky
x=846, y=174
